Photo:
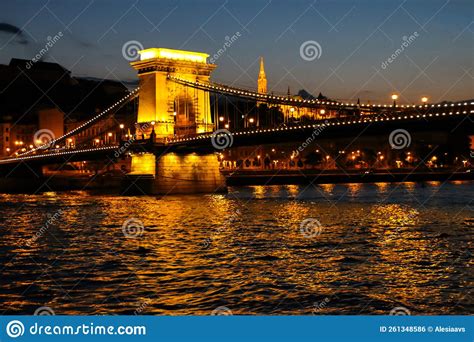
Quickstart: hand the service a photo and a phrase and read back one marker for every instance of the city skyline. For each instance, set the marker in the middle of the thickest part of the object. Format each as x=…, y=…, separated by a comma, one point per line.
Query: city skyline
x=354, y=53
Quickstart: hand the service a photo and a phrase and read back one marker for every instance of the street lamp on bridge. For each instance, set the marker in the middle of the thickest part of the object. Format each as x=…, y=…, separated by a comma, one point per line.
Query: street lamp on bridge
x=394, y=98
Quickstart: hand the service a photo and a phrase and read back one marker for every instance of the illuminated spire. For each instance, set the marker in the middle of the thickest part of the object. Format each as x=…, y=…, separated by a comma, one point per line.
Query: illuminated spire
x=262, y=79
x=262, y=69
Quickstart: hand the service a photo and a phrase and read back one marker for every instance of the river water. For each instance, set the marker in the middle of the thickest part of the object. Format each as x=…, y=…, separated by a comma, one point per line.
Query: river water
x=323, y=249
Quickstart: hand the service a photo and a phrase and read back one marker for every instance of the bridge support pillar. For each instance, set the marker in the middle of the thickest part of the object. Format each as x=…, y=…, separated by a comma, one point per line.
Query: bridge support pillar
x=175, y=173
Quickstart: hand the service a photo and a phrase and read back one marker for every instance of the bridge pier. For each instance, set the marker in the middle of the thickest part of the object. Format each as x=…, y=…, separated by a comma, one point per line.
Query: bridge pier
x=174, y=173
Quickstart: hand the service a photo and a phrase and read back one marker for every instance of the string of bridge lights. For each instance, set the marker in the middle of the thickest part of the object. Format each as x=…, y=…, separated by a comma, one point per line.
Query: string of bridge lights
x=265, y=130
x=237, y=91
x=132, y=94
x=249, y=93
x=56, y=154
x=333, y=123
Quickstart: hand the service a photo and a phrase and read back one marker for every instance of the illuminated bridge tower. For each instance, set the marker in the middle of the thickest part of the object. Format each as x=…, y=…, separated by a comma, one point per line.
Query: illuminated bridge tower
x=170, y=108
x=174, y=108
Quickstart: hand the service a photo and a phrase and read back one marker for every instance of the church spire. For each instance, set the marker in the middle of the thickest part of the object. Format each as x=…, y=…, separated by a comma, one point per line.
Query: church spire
x=262, y=79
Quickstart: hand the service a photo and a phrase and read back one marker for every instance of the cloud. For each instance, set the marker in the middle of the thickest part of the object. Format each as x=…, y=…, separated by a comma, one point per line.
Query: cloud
x=16, y=31
x=8, y=28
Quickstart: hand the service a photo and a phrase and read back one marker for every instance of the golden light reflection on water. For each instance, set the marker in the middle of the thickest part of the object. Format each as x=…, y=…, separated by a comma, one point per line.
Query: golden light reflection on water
x=394, y=215
x=354, y=188
x=199, y=252
x=382, y=187
x=293, y=190
x=434, y=183
x=410, y=186
x=328, y=188
x=259, y=191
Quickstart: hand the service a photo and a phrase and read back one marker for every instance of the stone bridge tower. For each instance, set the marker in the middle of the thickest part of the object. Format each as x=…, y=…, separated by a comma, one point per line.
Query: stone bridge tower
x=171, y=108
x=174, y=108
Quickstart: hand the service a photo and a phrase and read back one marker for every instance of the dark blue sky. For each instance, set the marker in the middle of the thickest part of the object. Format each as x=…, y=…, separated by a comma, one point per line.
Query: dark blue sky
x=356, y=37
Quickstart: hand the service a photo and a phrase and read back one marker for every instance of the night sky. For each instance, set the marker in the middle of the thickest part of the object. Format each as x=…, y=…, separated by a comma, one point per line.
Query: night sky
x=356, y=38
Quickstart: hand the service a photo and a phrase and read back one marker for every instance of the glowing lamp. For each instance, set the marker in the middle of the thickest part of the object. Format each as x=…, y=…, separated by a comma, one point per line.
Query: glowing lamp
x=163, y=53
